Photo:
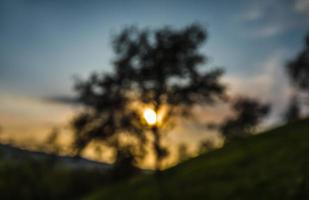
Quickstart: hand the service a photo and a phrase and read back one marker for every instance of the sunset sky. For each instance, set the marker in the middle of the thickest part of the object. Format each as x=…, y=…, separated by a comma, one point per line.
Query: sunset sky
x=45, y=43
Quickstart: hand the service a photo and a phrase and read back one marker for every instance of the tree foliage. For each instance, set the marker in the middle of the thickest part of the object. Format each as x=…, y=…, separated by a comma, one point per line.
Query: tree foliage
x=248, y=113
x=298, y=69
x=293, y=111
x=161, y=69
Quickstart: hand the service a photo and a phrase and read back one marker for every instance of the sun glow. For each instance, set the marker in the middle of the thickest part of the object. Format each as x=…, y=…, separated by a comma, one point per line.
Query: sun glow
x=150, y=116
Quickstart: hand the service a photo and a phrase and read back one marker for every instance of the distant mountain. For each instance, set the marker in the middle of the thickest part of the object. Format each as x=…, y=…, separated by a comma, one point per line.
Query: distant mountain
x=14, y=153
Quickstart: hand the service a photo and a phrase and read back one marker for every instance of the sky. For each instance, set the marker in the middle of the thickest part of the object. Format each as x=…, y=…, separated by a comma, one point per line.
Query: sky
x=45, y=43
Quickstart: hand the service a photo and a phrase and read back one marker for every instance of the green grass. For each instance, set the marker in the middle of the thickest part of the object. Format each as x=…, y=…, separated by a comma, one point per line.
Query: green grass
x=37, y=180
x=273, y=165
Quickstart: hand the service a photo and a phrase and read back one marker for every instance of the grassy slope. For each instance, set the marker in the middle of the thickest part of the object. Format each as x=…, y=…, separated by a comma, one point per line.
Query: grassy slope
x=274, y=165
x=40, y=179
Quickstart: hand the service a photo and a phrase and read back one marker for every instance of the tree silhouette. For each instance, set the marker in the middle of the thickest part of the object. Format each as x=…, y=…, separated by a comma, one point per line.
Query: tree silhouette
x=183, y=152
x=248, y=113
x=298, y=70
x=158, y=69
x=206, y=146
x=293, y=110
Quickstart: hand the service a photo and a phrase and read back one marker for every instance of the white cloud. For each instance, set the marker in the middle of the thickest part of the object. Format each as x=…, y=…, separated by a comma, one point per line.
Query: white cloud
x=301, y=6
x=268, y=31
x=268, y=18
x=269, y=85
x=256, y=10
x=252, y=15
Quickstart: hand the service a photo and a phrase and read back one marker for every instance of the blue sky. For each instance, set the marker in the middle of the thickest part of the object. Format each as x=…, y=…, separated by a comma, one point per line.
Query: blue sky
x=44, y=43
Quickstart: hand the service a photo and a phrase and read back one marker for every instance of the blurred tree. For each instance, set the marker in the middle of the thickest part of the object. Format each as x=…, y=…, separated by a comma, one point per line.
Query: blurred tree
x=51, y=142
x=183, y=152
x=158, y=69
x=298, y=71
x=123, y=164
x=293, y=110
x=248, y=113
x=206, y=146
x=52, y=146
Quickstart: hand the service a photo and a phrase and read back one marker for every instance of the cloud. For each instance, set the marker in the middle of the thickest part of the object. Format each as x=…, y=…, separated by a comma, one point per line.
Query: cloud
x=252, y=14
x=270, y=85
x=62, y=99
x=263, y=18
x=30, y=117
x=268, y=31
x=269, y=18
x=302, y=6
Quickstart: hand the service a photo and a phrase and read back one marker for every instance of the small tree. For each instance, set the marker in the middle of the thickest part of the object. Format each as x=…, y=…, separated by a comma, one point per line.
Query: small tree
x=248, y=113
x=298, y=71
x=160, y=70
x=206, y=146
x=293, y=110
x=183, y=152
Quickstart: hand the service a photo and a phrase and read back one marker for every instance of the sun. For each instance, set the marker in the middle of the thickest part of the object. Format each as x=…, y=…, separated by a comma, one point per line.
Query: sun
x=150, y=116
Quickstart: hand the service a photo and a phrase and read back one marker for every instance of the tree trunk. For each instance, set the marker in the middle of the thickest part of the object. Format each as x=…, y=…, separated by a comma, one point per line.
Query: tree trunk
x=157, y=148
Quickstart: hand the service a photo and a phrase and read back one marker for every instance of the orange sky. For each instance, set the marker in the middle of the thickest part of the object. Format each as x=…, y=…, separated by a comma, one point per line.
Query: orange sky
x=26, y=121
x=44, y=45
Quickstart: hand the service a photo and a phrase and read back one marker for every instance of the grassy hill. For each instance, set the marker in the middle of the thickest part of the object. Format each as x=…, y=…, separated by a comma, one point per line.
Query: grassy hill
x=16, y=154
x=273, y=165
x=34, y=175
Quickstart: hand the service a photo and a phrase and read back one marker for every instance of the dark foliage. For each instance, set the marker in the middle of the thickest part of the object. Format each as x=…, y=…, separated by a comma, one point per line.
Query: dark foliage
x=293, y=111
x=183, y=153
x=298, y=69
x=155, y=68
x=123, y=167
x=248, y=113
x=36, y=180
